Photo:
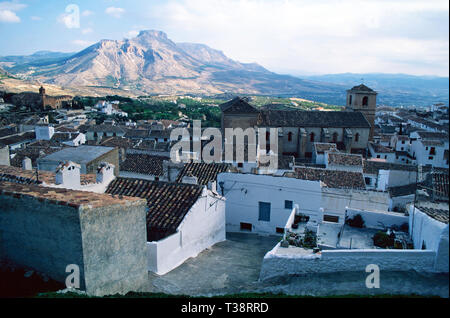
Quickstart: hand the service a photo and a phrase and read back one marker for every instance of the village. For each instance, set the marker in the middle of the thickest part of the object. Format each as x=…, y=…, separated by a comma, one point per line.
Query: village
x=366, y=185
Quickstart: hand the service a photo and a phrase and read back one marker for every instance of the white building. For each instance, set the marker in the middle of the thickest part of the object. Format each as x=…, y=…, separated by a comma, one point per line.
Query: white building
x=182, y=219
x=430, y=148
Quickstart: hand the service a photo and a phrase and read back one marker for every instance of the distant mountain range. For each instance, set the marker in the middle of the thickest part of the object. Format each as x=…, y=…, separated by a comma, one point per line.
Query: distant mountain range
x=153, y=64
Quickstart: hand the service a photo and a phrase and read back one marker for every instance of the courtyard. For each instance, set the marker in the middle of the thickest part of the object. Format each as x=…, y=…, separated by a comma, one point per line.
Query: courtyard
x=233, y=266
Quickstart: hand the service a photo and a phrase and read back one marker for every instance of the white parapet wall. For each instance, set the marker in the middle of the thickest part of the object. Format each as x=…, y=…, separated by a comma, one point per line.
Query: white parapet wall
x=297, y=261
x=378, y=219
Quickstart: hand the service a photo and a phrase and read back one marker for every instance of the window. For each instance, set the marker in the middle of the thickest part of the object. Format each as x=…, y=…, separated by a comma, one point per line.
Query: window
x=288, y=204
x=365, y=101
x=357, y=137
x=331, y=218
x=264, y=211
x=290, y=136
x=430, y=158
x=279, y=230
x=432, y=151
x=267, y=135
x=368, y=181
x=378, y=156
x=385, y=157
x=311, y=137
x=403, y=142
x=246, y=227
x=350, y=99
x=156, y=178
x=240, y=165
x=335, y=137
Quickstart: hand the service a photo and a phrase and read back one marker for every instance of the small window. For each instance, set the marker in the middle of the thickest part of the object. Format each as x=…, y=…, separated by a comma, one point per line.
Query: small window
x=288, y=204
x=331, y=218
x=378, y=156
x=240, y=165
x=403, y=142
x=290, y=136
x=264, y=211
x=279, y=230
x=350, y=99
x=311, y=137
x=156, y=178
x=335, y=137
x=357, y=137
x=368, y=181
x=430, y=158
x=365, y=101
x=246, y=227
x=385, y=157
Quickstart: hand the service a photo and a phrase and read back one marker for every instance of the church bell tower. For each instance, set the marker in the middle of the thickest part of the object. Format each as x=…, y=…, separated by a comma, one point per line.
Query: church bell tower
x=363, y=99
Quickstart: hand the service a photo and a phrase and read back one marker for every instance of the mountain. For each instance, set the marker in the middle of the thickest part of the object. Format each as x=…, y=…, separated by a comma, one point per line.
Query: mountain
x=151, y=63
x=395, y=89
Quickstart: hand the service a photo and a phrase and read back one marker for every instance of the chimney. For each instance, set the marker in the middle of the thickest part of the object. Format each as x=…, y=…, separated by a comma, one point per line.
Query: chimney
x=27, y=164
x=105, y=172
x=190, y=179
x=44, y=132
x=68, y=175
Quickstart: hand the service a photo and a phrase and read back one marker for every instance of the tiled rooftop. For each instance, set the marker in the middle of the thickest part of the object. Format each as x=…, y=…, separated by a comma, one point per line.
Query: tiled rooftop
x=18, y=175
x=81, y=154
x=322, y=147
x=331, y=178
x=204, y=172
x=168, y=203
x=344, y=159
x=120, y=142
x=373, y=167
x=380, y=148
x=439, y=214
x=75, y=199
x=144, y=164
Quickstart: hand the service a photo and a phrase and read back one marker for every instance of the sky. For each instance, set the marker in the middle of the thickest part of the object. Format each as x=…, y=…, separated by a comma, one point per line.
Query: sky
x=286, y=36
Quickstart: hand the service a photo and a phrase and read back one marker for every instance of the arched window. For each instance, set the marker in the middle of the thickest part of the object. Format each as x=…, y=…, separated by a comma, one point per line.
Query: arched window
x=350, y=99
x=335, y=137
x=356, y=137
x=311, y=137
x=365, y=101
x=290, y=136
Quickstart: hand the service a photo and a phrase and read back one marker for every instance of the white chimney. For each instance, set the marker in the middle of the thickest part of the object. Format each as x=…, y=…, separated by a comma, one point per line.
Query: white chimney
x=68, y=174
x=26, y=164
x=212, y=185
x=105, y=172
x=190, y=180
x=44, y=132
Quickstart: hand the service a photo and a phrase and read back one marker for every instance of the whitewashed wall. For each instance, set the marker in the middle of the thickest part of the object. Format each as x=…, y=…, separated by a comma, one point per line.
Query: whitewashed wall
x=372, y=219
x=202, y=227
x=427, y=231
x=244, y=192
x=282, y=262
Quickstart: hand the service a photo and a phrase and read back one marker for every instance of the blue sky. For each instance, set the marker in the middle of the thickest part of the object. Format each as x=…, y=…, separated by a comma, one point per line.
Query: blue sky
x=287, y=36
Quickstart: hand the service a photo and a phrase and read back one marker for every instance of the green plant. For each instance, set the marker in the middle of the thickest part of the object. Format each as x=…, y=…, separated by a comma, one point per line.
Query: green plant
x=382, y=239
x=356, y=221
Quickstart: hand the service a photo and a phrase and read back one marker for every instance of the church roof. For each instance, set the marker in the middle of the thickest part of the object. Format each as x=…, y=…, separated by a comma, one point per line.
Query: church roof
x=334, y=119
x=238, y=105
x=362, y=88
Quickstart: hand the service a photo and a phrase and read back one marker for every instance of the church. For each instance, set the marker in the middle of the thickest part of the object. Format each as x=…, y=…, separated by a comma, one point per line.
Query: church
x=298, y=130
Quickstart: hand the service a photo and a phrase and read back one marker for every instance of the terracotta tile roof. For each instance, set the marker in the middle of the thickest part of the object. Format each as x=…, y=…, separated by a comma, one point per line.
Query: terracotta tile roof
x=402, y=190
x=300, y=118
x=120, y=142
x=440, y=215
x=18, y=138
x=238, y=105
x=322, y=147
x=75, y=199
x=137, y=133
x=373, y=167
x=344, y=159
x=144, y=164
x=380, y=148
x=204, y=172
x=33, y=154
x=15, y=174
x=168, y=203
x=331, y=178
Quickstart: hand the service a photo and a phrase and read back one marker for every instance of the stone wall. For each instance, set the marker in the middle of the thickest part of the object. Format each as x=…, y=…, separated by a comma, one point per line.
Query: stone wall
x=107, y=243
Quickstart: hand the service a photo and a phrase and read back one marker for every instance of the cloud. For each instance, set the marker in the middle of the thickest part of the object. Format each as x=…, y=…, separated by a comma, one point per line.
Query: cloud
x=82, y=43
x=115, y=12
x=8, y=16
x=87, y=31
x=328, y=36
x=8, y=11
x=36, y=18
x=131, y=34
x=87, y=13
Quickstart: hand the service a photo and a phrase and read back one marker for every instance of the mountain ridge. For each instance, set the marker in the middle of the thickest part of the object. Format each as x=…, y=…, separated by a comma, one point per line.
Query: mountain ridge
x=151, y=63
